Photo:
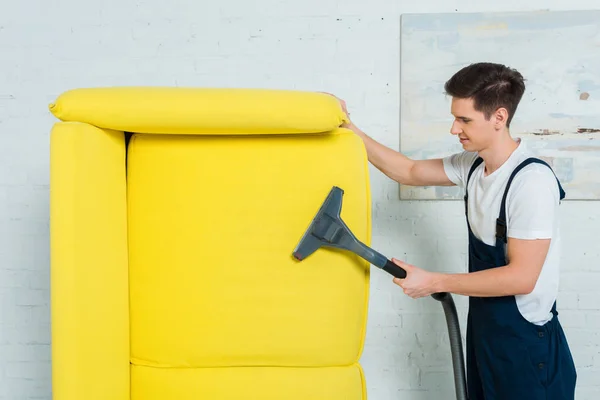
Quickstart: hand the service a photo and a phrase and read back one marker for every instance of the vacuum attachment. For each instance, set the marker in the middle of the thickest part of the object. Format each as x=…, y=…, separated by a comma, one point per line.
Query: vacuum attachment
x=327, y=229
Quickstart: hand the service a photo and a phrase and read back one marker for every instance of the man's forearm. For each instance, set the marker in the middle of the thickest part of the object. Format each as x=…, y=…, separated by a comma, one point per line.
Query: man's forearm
x=494, y=282
x=392, y=163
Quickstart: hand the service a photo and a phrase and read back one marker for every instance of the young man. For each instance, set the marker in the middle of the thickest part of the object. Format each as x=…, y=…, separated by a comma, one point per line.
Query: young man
x=516, y=347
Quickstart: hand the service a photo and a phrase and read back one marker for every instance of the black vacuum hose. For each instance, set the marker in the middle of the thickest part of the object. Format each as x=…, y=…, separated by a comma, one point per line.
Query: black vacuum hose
x=458, y=363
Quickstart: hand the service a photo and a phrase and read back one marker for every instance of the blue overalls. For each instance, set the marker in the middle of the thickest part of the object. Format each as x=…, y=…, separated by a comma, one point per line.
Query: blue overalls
x=509, y=358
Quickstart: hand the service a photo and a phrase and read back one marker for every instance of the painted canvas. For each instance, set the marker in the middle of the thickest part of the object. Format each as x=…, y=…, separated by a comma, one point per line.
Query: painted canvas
x=559, y=116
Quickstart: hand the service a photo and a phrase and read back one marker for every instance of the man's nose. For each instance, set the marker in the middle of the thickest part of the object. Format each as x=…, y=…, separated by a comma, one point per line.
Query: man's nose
x=455, y=129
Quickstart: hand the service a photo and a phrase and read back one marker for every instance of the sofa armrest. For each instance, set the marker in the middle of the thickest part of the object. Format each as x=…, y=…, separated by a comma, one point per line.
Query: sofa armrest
x=89, y=266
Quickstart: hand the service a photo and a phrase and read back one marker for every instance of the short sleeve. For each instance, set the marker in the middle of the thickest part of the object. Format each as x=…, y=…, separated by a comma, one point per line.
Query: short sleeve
x=532, y=204
x=457, y=166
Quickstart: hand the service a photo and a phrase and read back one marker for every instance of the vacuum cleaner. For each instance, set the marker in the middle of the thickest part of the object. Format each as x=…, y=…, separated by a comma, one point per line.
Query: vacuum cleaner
x=327, y=229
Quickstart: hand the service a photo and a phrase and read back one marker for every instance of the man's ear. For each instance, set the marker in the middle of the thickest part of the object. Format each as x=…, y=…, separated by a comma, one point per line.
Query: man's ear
x=500, y=118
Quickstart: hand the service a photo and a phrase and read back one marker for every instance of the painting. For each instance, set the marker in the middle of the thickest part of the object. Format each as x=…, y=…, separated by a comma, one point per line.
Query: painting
x=558, y=52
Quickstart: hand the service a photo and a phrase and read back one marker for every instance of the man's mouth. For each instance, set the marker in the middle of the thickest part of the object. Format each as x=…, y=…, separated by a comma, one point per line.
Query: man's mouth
x=463, y=140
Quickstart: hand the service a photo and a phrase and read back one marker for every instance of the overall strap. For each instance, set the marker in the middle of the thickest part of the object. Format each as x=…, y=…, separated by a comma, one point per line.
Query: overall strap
x=475, y=164
x=501, y=223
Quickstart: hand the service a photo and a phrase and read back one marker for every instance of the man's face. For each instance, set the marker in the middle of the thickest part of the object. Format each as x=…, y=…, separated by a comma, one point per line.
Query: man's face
x=473, y=130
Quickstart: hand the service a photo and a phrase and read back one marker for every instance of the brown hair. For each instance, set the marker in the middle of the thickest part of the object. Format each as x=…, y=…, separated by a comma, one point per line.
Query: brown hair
x=490, y=85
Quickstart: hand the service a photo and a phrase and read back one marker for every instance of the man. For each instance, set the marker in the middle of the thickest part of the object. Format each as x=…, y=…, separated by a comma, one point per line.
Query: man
x=516, y=348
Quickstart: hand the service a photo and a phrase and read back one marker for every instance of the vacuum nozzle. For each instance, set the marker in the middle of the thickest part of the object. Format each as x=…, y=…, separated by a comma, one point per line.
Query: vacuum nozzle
x=327, y=229
x=321, y=230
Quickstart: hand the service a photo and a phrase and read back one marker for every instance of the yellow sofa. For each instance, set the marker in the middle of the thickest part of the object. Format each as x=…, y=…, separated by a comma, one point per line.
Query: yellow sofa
x=174, y=213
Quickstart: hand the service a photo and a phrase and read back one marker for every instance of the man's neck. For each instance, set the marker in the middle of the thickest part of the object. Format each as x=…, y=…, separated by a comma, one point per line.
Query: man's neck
x=498, y=153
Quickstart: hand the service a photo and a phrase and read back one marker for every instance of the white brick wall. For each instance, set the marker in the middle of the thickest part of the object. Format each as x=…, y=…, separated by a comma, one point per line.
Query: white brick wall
x=345, y=47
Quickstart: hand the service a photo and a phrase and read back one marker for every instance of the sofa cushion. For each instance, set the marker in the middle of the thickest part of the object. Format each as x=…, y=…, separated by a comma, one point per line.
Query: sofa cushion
x=212, y=223
x=264, y=383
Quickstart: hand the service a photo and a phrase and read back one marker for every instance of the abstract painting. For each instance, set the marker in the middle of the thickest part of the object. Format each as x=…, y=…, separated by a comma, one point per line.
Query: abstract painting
x=558, y=52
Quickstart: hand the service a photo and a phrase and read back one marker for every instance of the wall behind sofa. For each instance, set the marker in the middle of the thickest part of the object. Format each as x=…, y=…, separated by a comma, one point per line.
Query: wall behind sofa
x=350, y=48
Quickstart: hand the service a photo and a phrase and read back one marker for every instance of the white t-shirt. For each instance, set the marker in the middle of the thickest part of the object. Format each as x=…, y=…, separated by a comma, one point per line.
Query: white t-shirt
x=531, y=210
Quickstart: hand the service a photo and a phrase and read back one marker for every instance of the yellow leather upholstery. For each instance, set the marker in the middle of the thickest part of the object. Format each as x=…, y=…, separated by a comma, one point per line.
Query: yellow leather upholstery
x=183, y=285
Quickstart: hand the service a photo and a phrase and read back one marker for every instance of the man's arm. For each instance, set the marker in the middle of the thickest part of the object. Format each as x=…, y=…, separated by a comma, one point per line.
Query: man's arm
x=401, y=168
x=519, y=277
x=532, y=204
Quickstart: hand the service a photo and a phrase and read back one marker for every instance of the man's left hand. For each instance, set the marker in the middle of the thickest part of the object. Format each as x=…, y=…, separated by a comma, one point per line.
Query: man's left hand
x=418, y=282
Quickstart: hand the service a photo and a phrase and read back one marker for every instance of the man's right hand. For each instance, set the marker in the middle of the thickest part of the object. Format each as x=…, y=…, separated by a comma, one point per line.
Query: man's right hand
x=344, y=108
